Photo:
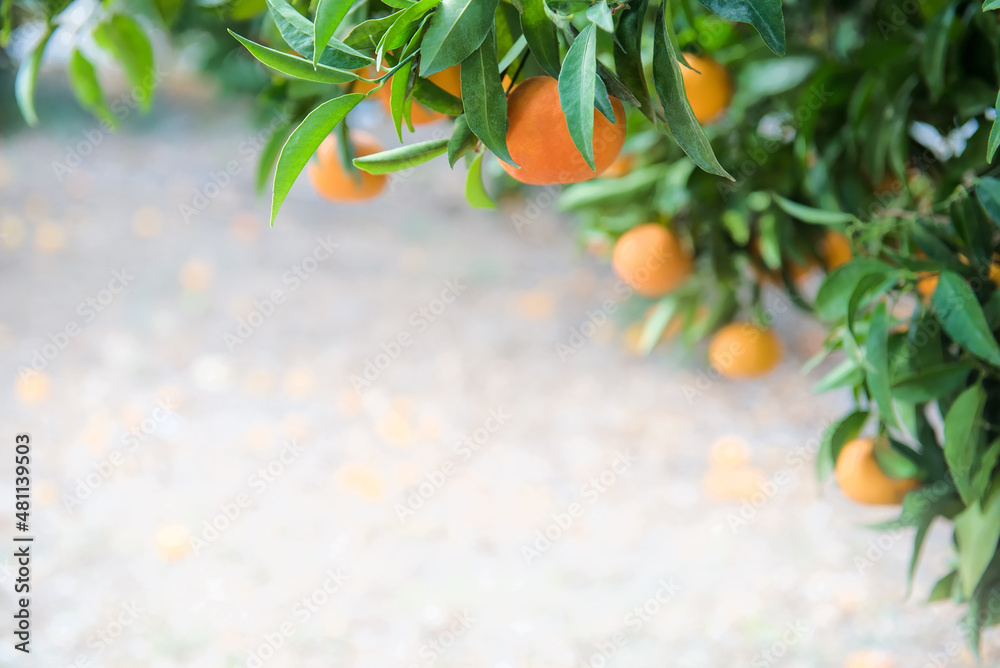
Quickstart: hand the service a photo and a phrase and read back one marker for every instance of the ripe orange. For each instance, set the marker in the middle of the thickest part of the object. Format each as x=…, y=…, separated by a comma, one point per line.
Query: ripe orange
x=744, y=350
x=333, y=182
x=835, y=249
x=651, y=260
x=539, y=140
x=709, y=92
x=928, y=283
x=449, y=79
x=861, y=479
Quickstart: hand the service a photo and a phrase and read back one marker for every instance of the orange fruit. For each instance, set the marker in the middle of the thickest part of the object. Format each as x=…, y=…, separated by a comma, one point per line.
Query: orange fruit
x=333, y=182
x=860, y=478
x=539, y=140
x=744, y=350
x=651, y=260
x=928, y=283
x=622, y=166
x=835, y=249
x=709, y=92
x=773, y=276
x=450, y=80
x=363, y=86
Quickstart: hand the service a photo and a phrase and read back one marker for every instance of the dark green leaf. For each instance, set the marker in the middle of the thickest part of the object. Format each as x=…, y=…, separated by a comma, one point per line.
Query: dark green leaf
x=404, y=157
x=329, y=14
x=988, y=194
x=577, y=88
x=994, y=142
x=87, y=88
x=434, y=97
x=484, y=99
x=457, y=28
x=836, y=290
x=962, y=317
x=603, y=102
x=397, y=97
x=294, y=66
x=406, y=25
x=764, y=15
x=628, y=55
x=670, y=89
x=877, y=358
x=27, y=75
x=475, y=192
x=932, y=382
x=541, y=36
x=462, y=139
x=963, y=432
x=933, y=56
x=304, y=141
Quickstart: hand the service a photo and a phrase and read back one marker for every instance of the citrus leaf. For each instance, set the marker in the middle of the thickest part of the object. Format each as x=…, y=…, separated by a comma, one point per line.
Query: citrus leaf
x=516, y=49
x=397, y=97
x=979, y=483
x=294, y=66
x=605, y=191
x=669, y=87
x=834, y=438
x=304, y=141
x=403, y=157
x=577, y=88
x=86, y=87
x=988, y=194
x=835, y=292
x=124, y=39
x=540, y=34
x=977, y=530
x=943, y=588
x=434, y=97
x=27, y=76
x=990, y=5
x=764, y=15
x=484, y=100
x=877, y=359
x=932, y=382
x=462, y=139
x=963, y=432
x=934, y=54
x=628, y=55
x=994, y=142
x=808, y=214
x=367, y=34
x=400, y=32
x=600, y=15
x=962, y=317
x=602, y=102
x=457, y=28
x=475, y=192
x=294, y=28
x=845, y=374
x=657, y=321
x=269, y=153
x=329, y=14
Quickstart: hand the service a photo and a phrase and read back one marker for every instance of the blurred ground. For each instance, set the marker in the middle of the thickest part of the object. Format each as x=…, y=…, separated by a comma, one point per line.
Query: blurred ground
x=158, y=414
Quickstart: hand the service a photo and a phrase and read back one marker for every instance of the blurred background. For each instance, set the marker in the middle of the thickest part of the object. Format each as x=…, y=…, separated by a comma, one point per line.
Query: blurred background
x=401, y=433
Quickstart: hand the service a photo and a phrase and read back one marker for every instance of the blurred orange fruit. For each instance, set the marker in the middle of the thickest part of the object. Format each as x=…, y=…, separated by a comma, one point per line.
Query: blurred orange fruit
x=450, y=80
x=332, y=181
x=622, y=166
x=651, y=260
x=863, y=481
x=744, y=350
x=709, y=92
x=835, y=249
x=539, y=141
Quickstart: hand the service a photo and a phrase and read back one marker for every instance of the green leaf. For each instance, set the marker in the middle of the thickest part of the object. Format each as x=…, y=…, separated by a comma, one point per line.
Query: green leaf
x=980, y=480
x=657, y=321
x=934, y=54
x=397, y=98
x=605, y=192
x=294, y=28
x=329, y=14
x=475, y=192
x=304, y=141
x=403, y=157
x=484, y=99
x=27, y=76
x=124, y=39
x=516, y=49
x=933, y=382
x=600, y=15
x=367, y=34
x=764, y=15
x=269, y=153
x=962, y=317
x=628, y=55
x=462, y=139
x=168, y=10
x=602, y=102
x=540, y=33
x=920, y=507
x=877, y=359
x=407, y=24
x=845, y=374
x=836, y=290
x=86, y=87
x=669, y=87
x=457, y=28
x=977, y=530
x=577, y=88
x=434, y=97
x=834, y=438
x=808, y=214
x=994, y=142
x=963, y=432
x=988, y=194
x=990, y=5
x=943, y=588
x=294, y=66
